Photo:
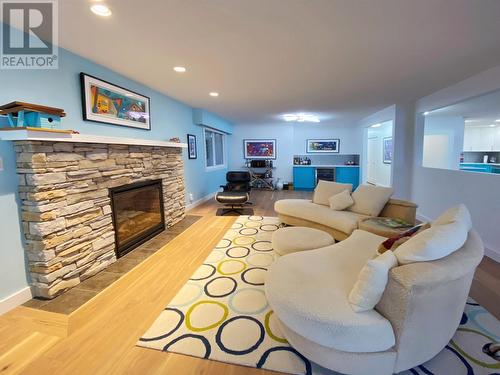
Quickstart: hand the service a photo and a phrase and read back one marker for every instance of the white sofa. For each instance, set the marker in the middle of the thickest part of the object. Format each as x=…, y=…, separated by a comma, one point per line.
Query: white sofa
x=340, y=224
x=414, y=320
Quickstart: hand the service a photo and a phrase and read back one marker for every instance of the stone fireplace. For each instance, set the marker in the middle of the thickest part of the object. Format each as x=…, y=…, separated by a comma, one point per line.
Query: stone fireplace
x=66, y=187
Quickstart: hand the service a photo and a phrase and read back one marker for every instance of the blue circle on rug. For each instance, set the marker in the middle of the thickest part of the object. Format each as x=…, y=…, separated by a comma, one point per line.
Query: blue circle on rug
x=235, y=249
x=214, y=295
x=204, y=341
x=194, y=297
x=257, y=310
x=181, y=320
x=212, y=272
x=467, y=365
x=269, y=227
x=244, y=276
x=266, y=354
x=218, y=336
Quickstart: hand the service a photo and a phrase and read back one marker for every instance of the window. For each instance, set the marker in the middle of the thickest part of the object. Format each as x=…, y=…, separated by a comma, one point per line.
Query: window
x=214, y=149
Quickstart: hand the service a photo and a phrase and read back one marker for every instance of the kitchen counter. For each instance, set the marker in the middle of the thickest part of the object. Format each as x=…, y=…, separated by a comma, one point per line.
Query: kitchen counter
x=493, y=164
x=326, y=166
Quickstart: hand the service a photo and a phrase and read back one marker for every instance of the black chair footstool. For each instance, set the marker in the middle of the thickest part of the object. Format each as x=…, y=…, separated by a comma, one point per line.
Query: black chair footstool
x=236, y=192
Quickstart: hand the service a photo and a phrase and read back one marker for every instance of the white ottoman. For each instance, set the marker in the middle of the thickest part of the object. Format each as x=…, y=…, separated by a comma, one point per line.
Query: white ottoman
x=292, y=239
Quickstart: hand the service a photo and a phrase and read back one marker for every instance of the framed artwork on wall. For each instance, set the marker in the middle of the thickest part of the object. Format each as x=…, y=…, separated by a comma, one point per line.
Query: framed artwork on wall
x=191, y=141
x=387, y=150
x=111, y=104
x=259, y=148
x=323, y=146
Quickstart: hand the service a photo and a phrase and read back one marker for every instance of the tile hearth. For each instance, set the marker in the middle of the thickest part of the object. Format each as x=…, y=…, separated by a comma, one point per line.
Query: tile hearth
x=83, y=292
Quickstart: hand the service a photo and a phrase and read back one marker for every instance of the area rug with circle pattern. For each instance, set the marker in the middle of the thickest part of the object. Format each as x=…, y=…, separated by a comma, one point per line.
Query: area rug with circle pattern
x=222, y=314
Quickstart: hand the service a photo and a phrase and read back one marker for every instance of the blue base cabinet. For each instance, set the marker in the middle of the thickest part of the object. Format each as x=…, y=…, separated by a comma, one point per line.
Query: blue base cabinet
x=304, y=178
x=347, y=175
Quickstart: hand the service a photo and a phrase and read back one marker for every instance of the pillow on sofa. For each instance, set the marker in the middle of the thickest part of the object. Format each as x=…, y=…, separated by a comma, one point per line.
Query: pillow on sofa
x=394, y=242
x=434, y=243
x=370, y=200
x=341, y=201
x=371, y=283
x=326, y=189
x=457, y=213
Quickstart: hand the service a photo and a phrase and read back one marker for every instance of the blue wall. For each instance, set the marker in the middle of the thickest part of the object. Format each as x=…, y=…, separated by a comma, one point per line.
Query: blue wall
x=61, y=88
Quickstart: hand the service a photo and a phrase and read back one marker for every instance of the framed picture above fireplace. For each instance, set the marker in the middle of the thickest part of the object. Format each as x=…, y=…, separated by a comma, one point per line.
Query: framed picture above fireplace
x=259, y=148
x=111, y=104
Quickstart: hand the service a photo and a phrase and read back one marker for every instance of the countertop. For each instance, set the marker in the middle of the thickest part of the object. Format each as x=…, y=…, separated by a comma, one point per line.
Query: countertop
x=327, y=166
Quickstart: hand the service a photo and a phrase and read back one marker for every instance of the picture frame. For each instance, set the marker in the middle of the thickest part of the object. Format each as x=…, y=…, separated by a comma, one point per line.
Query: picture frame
x=387, y=148
x=323, y=146
x=192, y=151
x=259, y=148
x=107, y=103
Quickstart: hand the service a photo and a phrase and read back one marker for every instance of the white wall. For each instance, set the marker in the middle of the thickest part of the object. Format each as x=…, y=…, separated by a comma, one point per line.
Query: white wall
x=448, y=129
x=438, y=189
x=291, y=140
x=380, y=173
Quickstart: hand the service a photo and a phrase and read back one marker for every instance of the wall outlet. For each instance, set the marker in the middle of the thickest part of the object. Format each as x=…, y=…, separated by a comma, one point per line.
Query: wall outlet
x=191, y=198
x=1, y=164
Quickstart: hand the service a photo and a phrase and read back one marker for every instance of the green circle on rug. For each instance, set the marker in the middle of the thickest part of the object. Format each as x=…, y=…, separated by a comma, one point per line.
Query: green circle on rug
x=243, y=240
x=231, y=263
x=267, y=326
x=190, y=311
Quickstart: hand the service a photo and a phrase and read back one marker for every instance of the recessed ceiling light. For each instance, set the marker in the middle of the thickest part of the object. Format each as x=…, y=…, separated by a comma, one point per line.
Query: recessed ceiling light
x=497, y=120
x=214, y=94
x=300, y=117
x=376, y=126
x=426, y=113
x=101, y=10
x=492, y=125
x=179, y=69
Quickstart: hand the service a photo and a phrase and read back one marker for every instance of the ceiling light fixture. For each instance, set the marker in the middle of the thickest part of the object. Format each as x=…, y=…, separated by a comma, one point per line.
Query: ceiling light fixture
x=179, y=69
x=101, y=10
x=301, y=117
x=376, y=126
x=492, y=125
x=497, y=120
x=426, y=113
x=214, y=94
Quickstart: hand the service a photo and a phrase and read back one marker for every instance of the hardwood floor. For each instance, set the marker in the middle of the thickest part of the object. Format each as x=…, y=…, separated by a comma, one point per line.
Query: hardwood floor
x=106, y=344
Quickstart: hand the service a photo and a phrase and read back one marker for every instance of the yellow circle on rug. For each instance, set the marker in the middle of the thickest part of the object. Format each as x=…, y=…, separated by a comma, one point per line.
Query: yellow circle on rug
x=231, y=267
x=268, y=322
x=205, y=315
x=244, y=240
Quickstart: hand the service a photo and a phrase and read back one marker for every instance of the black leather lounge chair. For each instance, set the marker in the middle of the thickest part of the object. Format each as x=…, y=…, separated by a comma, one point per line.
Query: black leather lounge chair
x=236, y=192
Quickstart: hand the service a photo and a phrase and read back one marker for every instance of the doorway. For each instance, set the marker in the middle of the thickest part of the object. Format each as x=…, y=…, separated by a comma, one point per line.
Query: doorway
x=379, y=151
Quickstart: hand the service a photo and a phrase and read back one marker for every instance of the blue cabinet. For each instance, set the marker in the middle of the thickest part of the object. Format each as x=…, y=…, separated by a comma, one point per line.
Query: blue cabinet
x=347, y=175
x=476, y=167
x=304, y=178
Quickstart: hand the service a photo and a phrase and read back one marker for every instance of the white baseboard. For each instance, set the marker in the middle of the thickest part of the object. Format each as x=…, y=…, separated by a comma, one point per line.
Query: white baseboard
x=488, y=250
x=15, y=299
x=200, y=201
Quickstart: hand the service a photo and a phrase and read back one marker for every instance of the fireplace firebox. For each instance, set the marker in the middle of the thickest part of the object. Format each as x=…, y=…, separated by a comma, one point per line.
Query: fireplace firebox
x=138, y=214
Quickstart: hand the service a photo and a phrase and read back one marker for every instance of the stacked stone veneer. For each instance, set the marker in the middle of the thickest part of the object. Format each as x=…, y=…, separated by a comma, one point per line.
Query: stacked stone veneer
x=66, y=211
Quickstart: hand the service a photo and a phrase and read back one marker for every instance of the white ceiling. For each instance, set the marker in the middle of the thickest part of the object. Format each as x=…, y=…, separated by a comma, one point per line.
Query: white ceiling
x=343, y=59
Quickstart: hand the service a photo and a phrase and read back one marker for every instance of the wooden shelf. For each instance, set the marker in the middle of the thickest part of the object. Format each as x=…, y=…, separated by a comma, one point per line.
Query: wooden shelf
x=55, y=135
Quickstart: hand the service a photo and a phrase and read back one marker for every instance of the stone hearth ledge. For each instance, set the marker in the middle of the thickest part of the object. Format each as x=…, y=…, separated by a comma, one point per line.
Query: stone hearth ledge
x=66, y=209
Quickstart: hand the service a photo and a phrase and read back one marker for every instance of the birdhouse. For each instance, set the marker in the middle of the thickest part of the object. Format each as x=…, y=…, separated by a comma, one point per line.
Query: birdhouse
x=32, y=115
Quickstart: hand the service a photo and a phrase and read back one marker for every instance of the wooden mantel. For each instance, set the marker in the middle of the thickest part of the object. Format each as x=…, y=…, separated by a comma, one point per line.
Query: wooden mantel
x=35, y=134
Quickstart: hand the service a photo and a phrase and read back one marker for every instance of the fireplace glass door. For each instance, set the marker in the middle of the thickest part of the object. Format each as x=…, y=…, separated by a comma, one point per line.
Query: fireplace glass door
x=137, y=214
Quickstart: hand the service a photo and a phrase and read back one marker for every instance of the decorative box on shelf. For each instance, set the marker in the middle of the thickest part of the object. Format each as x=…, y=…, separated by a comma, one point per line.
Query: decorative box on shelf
x=20, y=115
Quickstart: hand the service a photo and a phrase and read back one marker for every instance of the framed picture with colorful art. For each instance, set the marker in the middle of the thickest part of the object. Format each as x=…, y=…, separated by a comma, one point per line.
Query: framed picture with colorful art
x=191, y=141
x=387, y=150
x=259, y=148
x=111, y=104
x=323, y=146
